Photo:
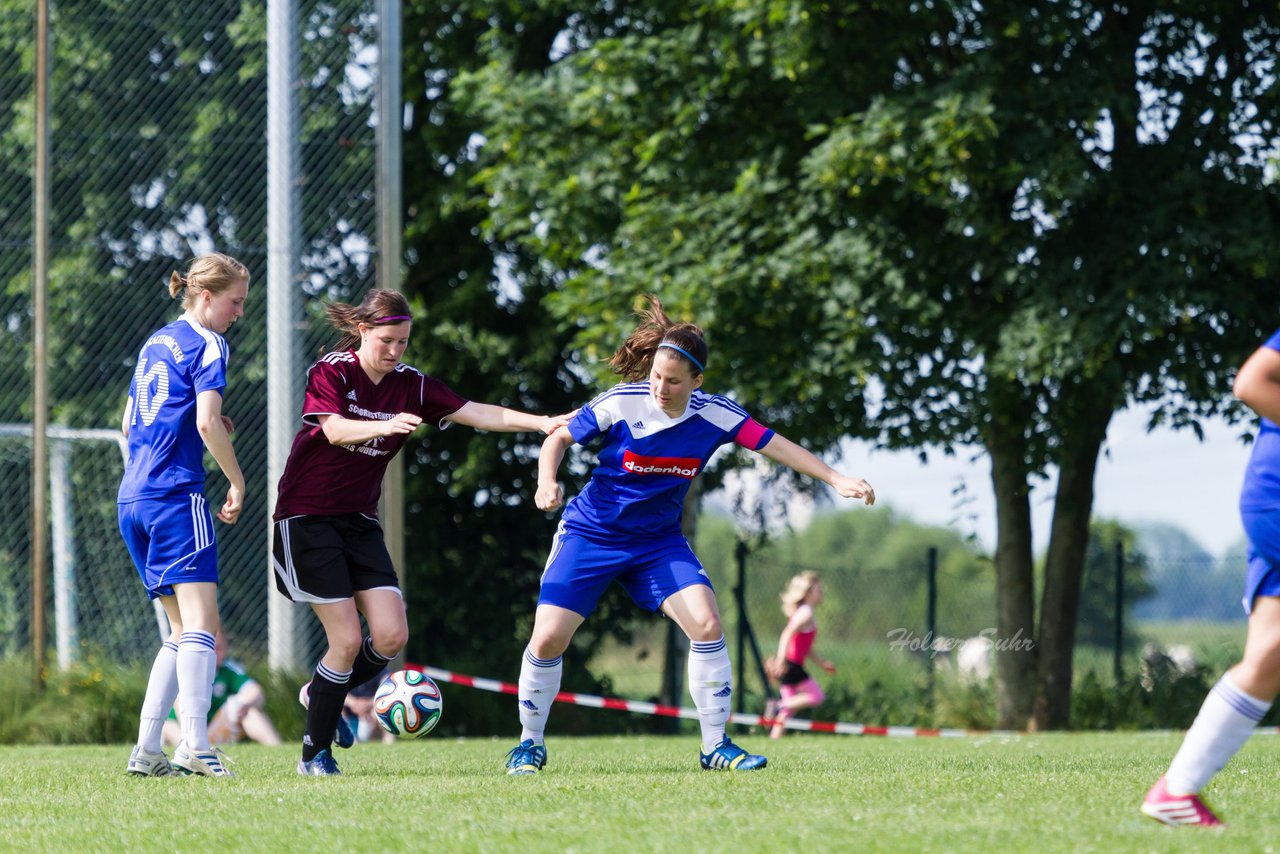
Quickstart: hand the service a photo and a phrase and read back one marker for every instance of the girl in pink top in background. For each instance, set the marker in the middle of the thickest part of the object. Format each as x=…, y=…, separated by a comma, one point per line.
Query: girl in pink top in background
x=795, y=646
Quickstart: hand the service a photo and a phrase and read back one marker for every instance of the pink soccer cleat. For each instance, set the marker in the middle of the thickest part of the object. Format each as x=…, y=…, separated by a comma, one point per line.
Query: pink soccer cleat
x=1177, y=809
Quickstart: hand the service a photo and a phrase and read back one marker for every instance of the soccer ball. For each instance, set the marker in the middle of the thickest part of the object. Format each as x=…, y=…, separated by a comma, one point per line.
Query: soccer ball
x=408, y=704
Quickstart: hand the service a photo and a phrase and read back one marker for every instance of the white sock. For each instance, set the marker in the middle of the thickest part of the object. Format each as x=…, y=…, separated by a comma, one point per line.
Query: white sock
x=162, y=689
x=711, y=686
x=195, y=688
x=539, y=684
x=1226, y=720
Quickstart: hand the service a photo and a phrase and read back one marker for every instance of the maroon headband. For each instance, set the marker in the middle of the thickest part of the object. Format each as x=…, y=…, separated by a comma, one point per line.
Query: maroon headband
x=392, y=318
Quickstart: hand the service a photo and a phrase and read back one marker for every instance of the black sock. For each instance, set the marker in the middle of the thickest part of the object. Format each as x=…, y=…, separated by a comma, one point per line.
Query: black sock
x=369, y=663
x=328, y=693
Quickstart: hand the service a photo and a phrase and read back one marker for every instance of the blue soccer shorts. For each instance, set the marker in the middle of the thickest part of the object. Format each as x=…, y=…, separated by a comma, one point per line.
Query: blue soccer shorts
x=1263, y=575
x=579, y=569
x=170, y=540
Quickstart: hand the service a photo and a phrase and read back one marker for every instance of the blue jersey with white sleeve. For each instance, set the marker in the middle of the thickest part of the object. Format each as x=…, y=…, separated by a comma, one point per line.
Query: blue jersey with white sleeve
x=166, y=453
x=1261, y=490
x=648, y=459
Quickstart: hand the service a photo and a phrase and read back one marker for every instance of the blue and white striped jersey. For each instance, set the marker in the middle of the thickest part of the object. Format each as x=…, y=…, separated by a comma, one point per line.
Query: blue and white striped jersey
x=166, y=453
x=649, y=459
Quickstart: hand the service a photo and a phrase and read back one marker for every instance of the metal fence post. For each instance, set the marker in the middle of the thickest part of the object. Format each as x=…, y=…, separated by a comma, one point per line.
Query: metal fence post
x=390, y=228
x=39, y=357
x=1118, y=663
x=740, y=594
x=931, y=616
x=283, y=240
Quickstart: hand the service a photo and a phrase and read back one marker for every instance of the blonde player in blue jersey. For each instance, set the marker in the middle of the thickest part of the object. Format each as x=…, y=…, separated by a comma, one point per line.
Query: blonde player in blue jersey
x=174, y=412
x=1243, y=695
x=657, y=432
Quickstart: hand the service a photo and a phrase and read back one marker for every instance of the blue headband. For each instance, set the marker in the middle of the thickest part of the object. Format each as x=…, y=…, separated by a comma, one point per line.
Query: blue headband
x=683, y=352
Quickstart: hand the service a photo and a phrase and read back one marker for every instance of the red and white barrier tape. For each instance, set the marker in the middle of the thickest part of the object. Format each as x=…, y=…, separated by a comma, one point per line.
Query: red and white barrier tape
x=642, y=708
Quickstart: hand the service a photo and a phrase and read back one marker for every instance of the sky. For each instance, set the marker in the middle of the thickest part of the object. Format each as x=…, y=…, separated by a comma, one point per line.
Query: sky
x=1164, y=476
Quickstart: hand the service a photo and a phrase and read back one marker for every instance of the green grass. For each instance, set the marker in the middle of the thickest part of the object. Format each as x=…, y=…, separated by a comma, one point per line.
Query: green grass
x=819, y=793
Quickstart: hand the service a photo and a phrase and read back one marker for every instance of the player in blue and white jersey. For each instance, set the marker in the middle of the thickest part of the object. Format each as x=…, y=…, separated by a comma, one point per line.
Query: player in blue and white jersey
x=658, y=431
x=1240, y=699
x=174, y=412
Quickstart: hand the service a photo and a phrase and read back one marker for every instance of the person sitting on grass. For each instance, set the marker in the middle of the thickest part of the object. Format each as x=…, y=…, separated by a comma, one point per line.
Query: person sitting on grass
x=235, y=708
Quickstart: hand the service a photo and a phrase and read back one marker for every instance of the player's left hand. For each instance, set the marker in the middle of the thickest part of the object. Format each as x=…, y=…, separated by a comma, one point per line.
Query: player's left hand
x=828, y=667
x=232, y=506
x=229, y=425
x=854, y=487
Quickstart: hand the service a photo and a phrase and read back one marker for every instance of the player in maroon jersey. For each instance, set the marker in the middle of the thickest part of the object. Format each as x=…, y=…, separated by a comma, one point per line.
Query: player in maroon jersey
x=361, y=405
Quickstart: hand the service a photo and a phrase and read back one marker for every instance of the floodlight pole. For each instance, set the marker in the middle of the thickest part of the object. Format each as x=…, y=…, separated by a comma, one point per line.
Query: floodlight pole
x=283, y=242
x=389, y=128
x=39, y=346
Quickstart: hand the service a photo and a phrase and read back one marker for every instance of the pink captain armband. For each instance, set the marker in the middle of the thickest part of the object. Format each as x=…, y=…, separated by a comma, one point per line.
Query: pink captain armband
x=752, y=435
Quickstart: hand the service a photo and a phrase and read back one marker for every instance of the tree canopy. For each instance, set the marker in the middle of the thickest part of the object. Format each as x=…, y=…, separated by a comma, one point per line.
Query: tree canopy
x=937, y=223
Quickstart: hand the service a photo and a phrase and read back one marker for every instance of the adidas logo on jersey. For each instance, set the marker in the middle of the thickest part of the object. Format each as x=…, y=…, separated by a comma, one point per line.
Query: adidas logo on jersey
x=639, y=425
x=351, y=395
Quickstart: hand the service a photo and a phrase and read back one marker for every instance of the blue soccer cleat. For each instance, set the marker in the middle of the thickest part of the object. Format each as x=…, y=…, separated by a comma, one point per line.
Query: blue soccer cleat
x=323, y=765
x=730, y=757
x=526, y=758
x=344, y=736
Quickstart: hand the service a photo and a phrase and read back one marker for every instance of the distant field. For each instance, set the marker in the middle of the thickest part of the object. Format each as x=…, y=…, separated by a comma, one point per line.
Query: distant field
x=819, y=793
x=636, y=669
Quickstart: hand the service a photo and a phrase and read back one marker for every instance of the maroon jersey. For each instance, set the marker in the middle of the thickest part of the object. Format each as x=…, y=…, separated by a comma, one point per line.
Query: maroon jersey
x=321, y=479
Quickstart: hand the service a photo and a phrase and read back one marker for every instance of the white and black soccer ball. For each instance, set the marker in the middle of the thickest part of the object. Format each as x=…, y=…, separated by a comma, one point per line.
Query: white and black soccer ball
x=408, y=704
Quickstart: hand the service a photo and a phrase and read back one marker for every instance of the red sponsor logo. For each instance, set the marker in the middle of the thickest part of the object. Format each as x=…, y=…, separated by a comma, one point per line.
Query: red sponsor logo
x=686, y=467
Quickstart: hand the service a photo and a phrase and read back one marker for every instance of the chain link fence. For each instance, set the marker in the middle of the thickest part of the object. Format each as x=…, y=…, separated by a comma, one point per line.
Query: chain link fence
x=158, y=117
x=913, y=642
x=158, y=153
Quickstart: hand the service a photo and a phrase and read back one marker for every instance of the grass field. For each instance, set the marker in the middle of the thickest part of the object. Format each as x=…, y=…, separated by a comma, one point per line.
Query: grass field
x=819, y=793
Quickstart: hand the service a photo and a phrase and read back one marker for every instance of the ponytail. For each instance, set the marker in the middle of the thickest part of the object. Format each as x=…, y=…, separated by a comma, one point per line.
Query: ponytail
x=213, y=272
x=634, y=359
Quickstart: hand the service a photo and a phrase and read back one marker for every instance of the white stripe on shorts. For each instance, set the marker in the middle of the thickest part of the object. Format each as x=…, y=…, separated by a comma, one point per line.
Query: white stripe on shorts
x=199, y=521
x=288, y=573
x=201, y=535
x=557, y=543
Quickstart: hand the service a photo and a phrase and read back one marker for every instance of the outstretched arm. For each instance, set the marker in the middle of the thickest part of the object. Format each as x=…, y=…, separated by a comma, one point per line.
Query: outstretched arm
x=486, y=416
x=550, y=494
x=820, y=661
x=783, y=450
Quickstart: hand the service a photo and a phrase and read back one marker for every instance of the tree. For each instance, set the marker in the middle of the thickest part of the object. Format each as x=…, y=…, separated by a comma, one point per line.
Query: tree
x=1015, y=217
x=476, y=546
